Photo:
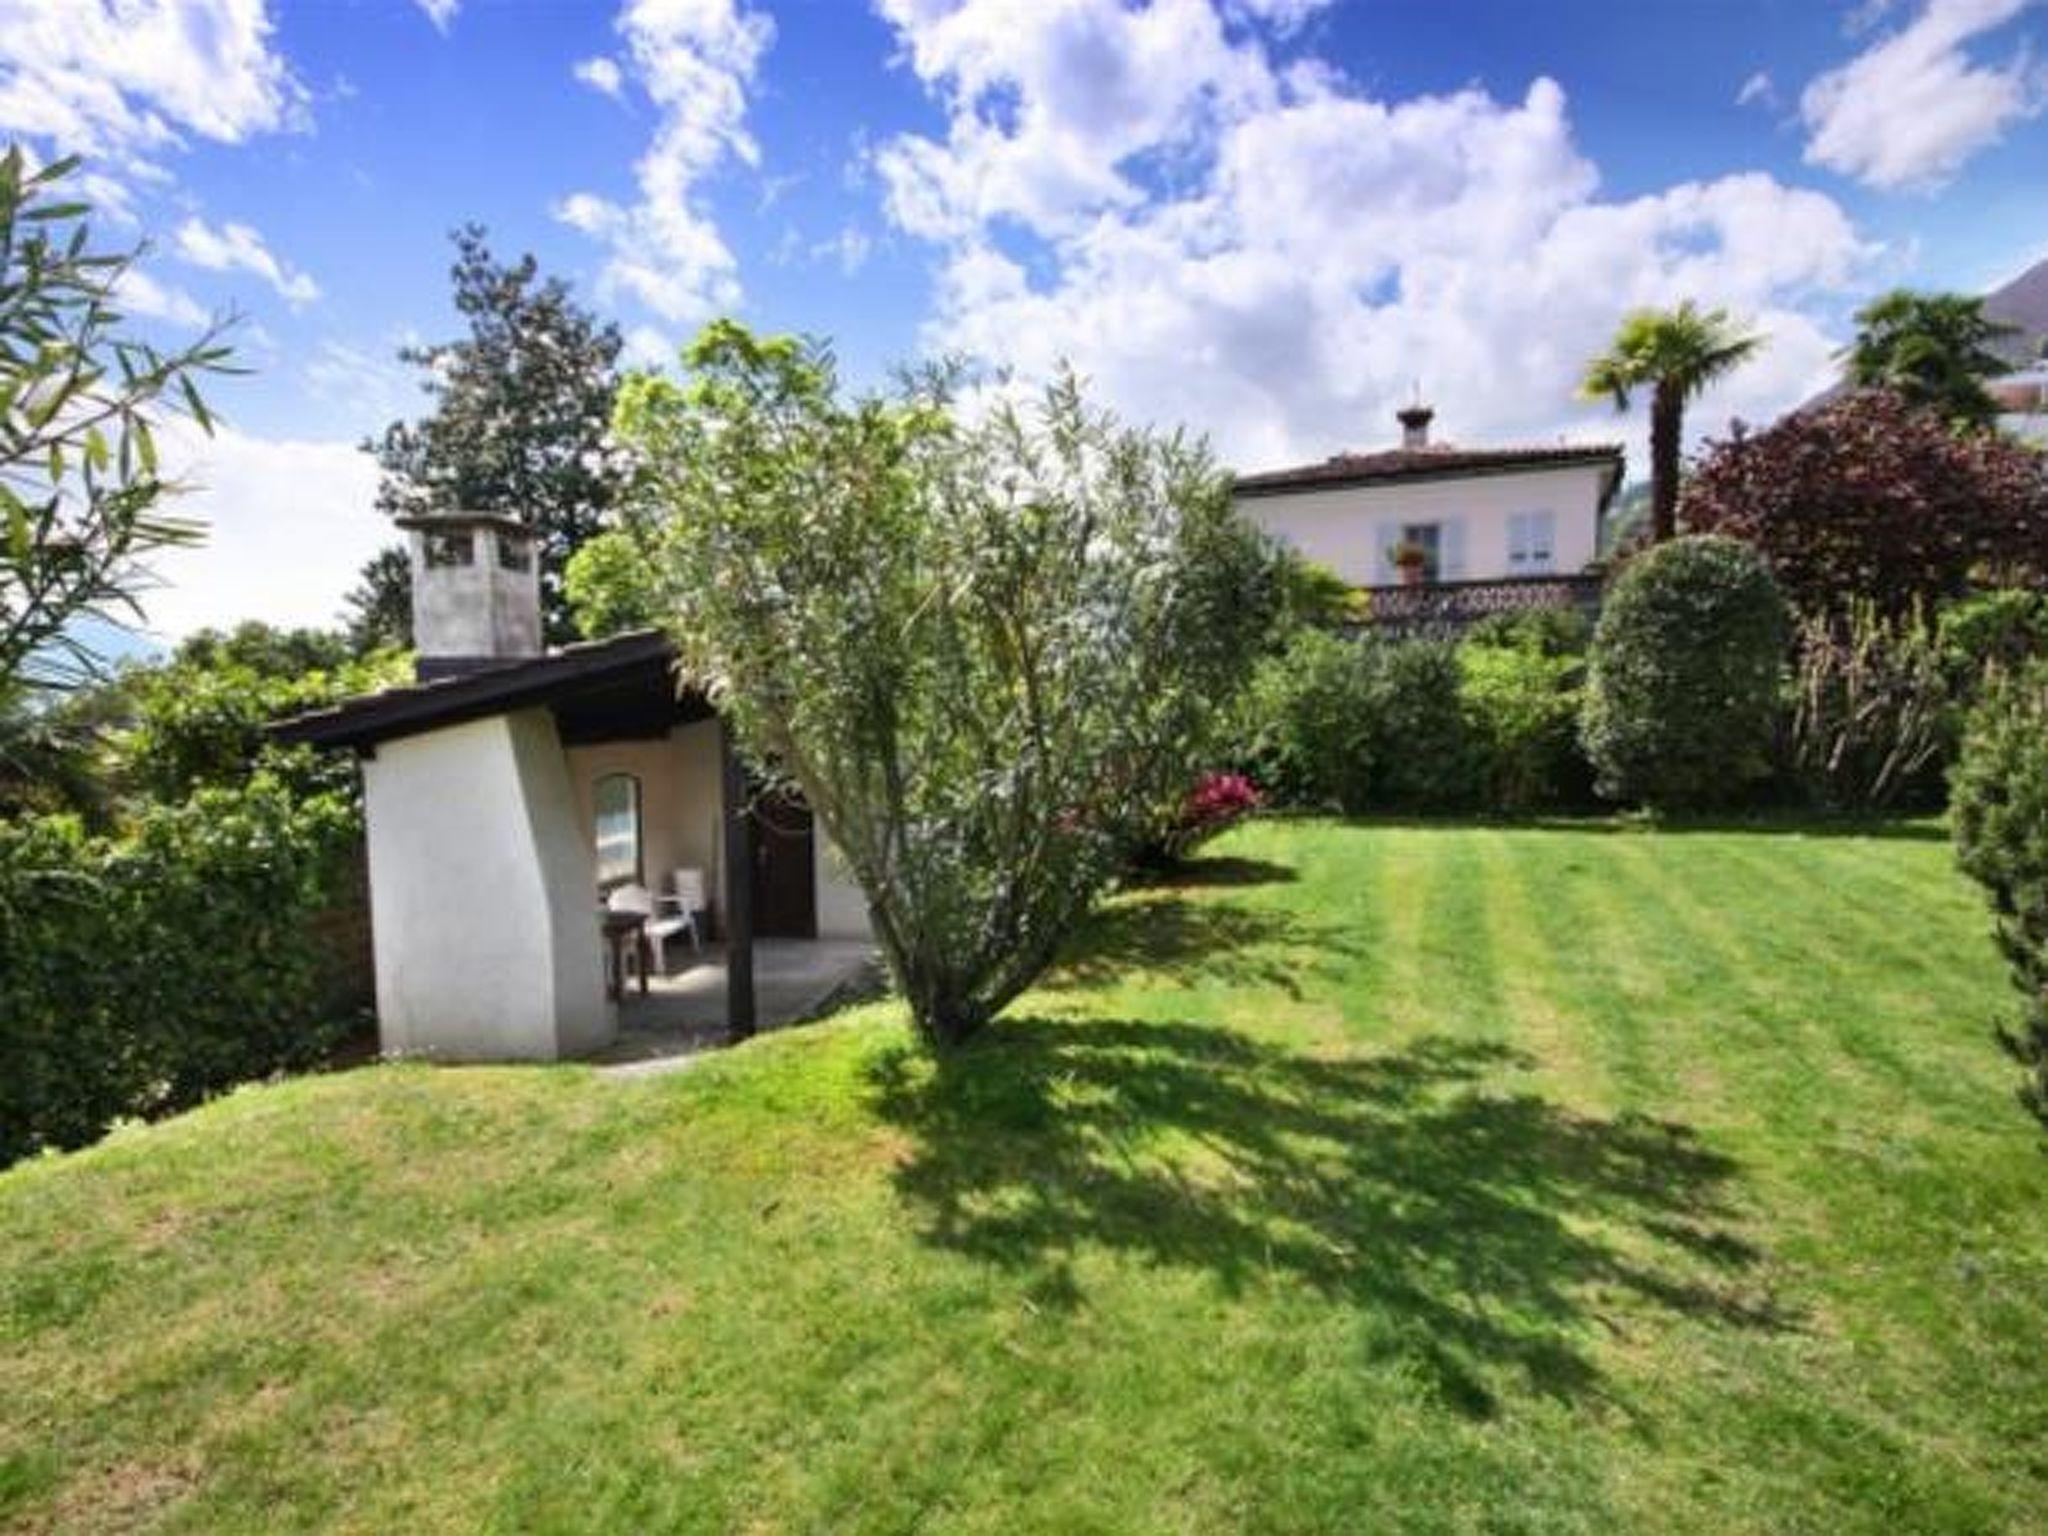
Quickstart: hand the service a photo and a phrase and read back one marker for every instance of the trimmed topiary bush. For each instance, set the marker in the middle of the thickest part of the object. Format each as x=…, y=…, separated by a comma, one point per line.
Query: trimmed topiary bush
x=1683, y=687
x=1999, y=809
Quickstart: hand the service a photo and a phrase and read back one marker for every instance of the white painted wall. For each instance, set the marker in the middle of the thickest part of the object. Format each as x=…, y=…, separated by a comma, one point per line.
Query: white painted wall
x=682, y=821
x=483, y=886
x=1350, y=528
x=842, y=905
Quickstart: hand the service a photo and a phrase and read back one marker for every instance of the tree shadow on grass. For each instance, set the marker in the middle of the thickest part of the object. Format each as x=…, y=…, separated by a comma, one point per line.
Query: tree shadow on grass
x=1216, y=870
x=1482, y=1233
x=1157, y=934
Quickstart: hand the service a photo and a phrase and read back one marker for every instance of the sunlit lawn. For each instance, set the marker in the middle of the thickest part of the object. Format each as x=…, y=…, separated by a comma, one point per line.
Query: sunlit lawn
x=1375, y=1178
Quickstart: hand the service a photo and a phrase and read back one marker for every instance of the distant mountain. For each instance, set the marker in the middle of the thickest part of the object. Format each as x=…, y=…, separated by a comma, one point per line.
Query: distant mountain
x=2023, y=303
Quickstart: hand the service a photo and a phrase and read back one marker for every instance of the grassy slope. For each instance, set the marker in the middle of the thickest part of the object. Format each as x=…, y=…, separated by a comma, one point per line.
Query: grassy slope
x=1383, y=1177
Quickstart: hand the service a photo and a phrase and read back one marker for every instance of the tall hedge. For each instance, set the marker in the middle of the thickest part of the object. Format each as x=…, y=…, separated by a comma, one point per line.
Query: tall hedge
x=1682, y=692
x=1999, y=809
x=140, y=974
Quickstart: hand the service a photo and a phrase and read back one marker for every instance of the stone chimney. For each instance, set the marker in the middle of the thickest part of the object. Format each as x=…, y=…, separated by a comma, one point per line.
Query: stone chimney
x=1415, y=420
x=475, y=592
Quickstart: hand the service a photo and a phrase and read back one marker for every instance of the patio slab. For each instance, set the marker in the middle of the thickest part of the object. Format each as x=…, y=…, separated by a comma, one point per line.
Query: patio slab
x=683, y=1014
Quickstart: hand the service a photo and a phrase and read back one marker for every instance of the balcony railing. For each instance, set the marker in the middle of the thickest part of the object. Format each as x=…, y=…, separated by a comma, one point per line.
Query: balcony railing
x=1448, y=608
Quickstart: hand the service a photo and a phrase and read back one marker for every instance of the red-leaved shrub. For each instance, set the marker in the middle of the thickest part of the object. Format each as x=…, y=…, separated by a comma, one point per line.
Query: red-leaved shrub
x=1871, y=499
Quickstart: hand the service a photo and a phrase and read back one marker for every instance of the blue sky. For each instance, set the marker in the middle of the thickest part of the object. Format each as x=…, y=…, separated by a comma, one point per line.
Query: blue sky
x=1268, y=219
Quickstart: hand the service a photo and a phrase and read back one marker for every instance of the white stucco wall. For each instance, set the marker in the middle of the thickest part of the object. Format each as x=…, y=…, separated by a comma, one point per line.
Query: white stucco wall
x=842, y=906
x=1350, y=528
x=681, y=824
x=483, y=896
x=682, y=820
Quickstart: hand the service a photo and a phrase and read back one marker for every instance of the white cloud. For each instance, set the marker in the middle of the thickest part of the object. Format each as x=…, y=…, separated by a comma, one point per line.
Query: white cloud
x=851, y=248
x=603, y=76
x=1758, y=87
x=140, y=294
x=647, y=348
x=289, y=524
x=1277, y=258
x=1911, y=108
x=238, y=247
x=440, y=12
x=366, y=390
x=695, y=60
x=125, y=79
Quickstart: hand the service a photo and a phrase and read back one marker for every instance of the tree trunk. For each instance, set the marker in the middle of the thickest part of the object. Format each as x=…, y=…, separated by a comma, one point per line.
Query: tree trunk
x=1667, y=419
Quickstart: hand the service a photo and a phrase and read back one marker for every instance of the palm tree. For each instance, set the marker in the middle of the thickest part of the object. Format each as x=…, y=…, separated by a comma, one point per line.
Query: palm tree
x=1933, y=348
x=1674, y=353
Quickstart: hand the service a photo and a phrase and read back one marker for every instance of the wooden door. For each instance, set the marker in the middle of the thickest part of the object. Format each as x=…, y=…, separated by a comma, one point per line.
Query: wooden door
x=785, y=870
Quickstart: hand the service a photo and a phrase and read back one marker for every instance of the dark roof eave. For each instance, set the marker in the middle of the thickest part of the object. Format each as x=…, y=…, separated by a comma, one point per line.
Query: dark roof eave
x=406, y=711
x=1337, y=476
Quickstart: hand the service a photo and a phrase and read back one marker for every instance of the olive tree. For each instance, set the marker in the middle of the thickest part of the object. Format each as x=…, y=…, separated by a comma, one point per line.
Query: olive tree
x=83, y=502
x=985, y=647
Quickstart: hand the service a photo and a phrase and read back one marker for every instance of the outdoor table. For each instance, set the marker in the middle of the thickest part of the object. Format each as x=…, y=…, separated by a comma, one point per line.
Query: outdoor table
x=619, y=929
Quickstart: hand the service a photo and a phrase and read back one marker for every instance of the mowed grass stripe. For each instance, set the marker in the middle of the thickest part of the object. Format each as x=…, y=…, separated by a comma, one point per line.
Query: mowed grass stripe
x=1523, y=876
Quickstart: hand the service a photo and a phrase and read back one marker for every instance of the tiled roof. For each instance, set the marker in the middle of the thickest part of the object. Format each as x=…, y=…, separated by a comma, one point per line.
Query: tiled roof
x=1425, y=464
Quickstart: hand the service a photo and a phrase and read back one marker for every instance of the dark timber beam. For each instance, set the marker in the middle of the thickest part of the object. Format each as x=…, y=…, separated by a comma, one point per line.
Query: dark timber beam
x=739, y=891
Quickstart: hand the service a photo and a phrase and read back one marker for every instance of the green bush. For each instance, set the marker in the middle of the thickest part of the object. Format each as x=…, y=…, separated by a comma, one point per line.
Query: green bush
x=2007, y=629
x=1425, y=756
x=1307, y=729
x=1360, y=725
x=1683, y=686
x=140, y=974
x=1520, y=685
x=1999, y=809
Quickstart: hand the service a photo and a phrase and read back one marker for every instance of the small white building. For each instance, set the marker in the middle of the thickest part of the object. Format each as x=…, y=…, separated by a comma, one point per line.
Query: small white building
x=508, y=792
x=1477, y=515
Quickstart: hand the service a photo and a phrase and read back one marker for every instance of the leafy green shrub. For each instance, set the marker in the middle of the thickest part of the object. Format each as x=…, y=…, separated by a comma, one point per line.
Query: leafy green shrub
x=2006, y=628
x=1520, y=682
x=1360, y=725
x=140, y=974
x=1870, y=724
x=1424, y=754
x=1306, y=727
x=1682, y=691
x=1999, y=809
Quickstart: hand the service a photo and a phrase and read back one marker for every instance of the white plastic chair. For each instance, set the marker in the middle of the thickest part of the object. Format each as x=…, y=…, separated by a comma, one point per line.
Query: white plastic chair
x=686, y=898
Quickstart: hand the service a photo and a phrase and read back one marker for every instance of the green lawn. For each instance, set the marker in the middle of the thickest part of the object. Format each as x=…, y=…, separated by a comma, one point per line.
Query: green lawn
x=1375, y=1178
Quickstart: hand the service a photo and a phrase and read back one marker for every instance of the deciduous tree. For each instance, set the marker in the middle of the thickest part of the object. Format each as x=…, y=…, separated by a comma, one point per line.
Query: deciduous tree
x=1872, y=498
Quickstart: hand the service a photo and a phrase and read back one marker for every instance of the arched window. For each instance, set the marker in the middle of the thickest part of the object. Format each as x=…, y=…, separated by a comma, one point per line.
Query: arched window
x=616, y=802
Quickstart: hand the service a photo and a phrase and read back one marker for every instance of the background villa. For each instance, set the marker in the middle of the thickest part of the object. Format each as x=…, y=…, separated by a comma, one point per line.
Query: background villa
x=1481, y=529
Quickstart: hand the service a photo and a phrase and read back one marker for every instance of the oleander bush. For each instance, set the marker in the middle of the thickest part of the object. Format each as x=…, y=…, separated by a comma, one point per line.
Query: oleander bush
x=1682, y=690
x=1999, y=811
x=142, y=973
